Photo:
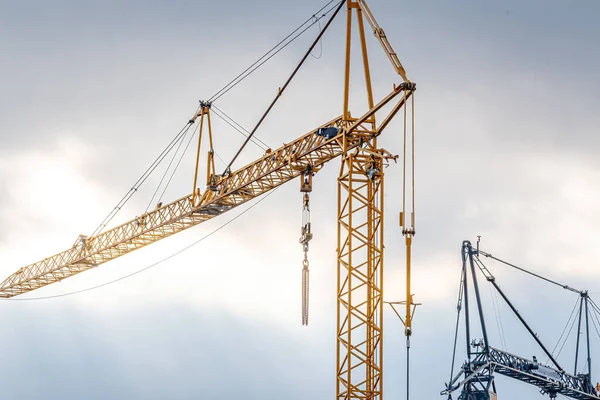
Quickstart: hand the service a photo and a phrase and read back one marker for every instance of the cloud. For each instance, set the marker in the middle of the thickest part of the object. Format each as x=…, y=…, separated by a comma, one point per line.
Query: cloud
x=120, y=354
x=506, y=148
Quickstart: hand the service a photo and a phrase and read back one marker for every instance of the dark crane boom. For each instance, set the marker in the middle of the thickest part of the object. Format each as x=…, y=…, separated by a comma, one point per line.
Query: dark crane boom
x=476, y=377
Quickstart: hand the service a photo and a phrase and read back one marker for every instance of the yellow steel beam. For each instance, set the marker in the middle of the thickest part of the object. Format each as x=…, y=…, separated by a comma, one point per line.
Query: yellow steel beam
x=360, y=277
x=383, y=40
x=360, y=218
x=264, y=174
x=273, y=169
x=360, y=229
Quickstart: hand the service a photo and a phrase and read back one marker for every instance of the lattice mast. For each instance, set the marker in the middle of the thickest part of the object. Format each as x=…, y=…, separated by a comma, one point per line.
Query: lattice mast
x=360, y=228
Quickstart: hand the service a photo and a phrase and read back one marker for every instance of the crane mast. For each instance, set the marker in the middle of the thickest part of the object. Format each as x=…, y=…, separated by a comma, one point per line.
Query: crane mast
x=360, y=230
x=360, y=213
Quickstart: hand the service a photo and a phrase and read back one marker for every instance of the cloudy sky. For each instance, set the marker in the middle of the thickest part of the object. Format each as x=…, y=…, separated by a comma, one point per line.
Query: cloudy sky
x=92, y=91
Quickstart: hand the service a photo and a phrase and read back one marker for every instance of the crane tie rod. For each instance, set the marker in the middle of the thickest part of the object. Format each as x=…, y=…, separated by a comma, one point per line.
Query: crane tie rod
x=567, y=287
x=282, y=89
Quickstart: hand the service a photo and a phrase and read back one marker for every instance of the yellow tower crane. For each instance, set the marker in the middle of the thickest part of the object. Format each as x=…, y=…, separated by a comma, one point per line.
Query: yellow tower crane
x=360, y=240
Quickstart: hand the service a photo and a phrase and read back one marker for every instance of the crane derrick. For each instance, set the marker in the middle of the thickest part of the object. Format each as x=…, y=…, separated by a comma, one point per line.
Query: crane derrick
x=476, y=375
x=359, y=369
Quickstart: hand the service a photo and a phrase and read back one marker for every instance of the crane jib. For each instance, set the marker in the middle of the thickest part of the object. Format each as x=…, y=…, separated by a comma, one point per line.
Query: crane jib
x=247, y=183
x=273, y=169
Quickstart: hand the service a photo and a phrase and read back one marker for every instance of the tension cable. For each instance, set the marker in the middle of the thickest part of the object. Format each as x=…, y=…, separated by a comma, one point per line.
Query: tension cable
x=567, y=287
x=282, y=89
x=167, y=258
x=136, y=186
x=169, y=167
x=273, y=51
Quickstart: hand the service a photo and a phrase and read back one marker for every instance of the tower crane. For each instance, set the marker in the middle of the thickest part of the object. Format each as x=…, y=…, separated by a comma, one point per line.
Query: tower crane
x=360, y=214
x=476, y=378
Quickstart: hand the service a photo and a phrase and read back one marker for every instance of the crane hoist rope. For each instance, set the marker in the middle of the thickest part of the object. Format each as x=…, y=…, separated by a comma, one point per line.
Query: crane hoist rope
x=225, y=192
x=305, y=236
x=304, y=239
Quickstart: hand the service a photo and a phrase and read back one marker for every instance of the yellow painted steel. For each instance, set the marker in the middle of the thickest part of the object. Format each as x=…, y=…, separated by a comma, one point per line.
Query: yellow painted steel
x=383, y=40
x=210, y=161
x=226, y=192
x=408, y=227
x=360, y=233
x=360, y=277
x=249, y=182
x=360, y=217
x=195, y=186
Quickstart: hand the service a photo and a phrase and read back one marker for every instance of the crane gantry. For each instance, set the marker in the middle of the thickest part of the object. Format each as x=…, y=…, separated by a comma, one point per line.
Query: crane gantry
x=360, y=215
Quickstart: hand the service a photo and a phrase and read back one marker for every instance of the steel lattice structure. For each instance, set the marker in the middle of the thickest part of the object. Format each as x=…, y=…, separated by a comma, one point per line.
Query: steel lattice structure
x=360, y=213
x=476, y=375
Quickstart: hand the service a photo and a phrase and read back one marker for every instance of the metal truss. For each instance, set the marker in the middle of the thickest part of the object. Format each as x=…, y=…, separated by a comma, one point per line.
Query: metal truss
x=476, y=377
x=360, y=214
x=550, y=380
x=223, y=194
x=227, y=192
x=360, y=276
x=360, y=229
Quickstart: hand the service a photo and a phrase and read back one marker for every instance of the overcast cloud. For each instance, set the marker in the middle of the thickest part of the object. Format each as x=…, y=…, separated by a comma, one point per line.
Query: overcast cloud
x=92, y=91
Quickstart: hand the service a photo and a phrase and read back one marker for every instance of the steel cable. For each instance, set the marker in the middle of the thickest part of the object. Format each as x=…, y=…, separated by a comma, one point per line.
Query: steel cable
x=143, y=178
x=238, y=128
x=266, y=57
x=253, y=67
x=182, y=139
x=567, y=335
x=337, y=8
x=176, y=166
x=151, y=265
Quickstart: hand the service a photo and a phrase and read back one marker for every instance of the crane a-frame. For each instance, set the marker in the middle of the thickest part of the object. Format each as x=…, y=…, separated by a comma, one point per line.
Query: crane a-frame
x=360, y=210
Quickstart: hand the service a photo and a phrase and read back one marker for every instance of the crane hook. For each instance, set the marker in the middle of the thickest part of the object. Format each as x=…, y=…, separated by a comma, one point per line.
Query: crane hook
x=306, y=236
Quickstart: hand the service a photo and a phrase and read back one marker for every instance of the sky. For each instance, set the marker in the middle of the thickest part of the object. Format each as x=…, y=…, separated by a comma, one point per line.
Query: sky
x=92, y=91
